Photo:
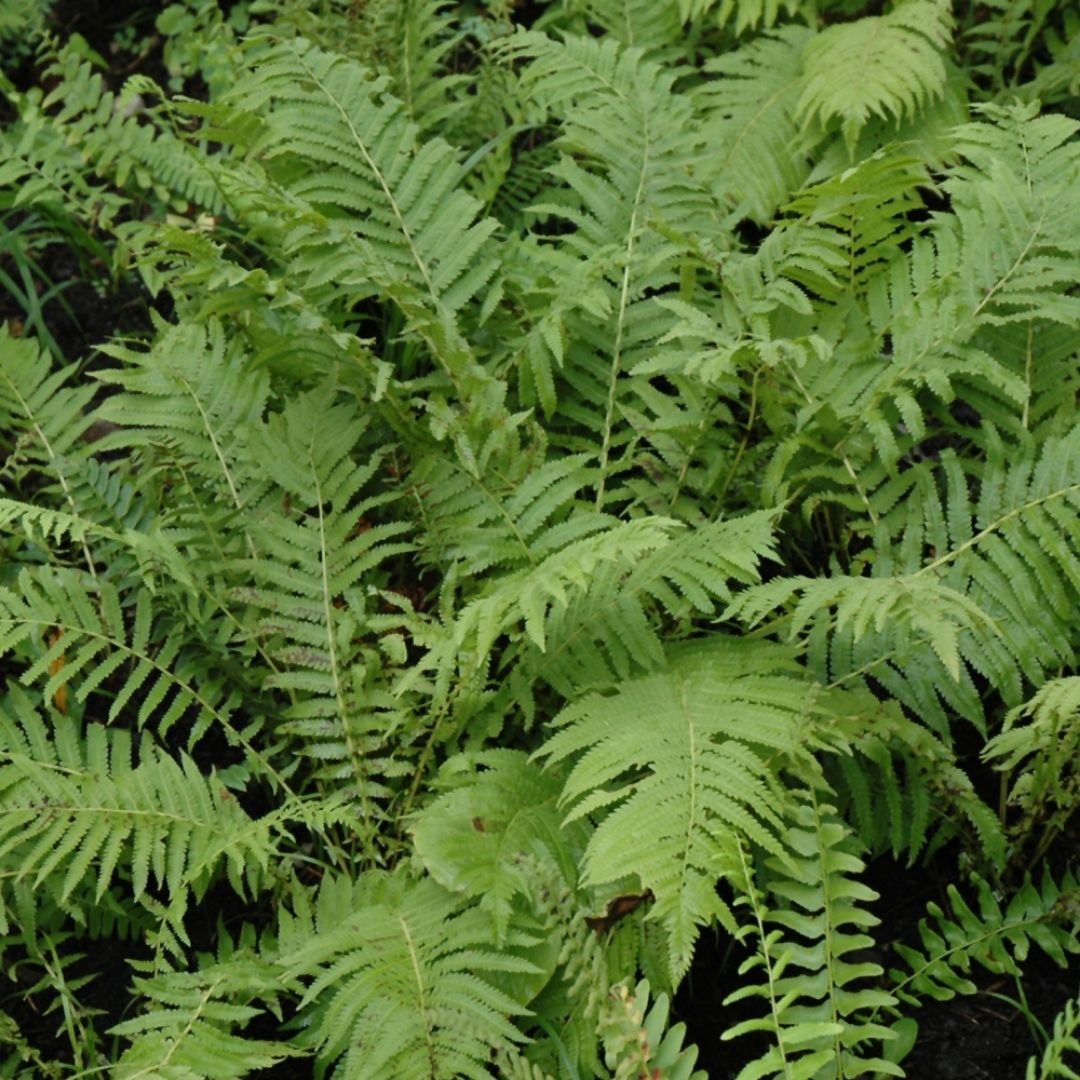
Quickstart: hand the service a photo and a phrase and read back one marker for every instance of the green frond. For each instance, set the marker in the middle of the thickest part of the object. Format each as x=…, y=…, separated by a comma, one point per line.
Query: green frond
x=403, y=987
x=638, y=1041
x=633, y=202
x=99, y=643
x=42, y=420
x=42, y=417
x=997, y=938
x=749, y=14
x=686, y=757
x=653, y=28
x=191, y=398
x=748, y=117
x=1014, y=215
x=313, y=586
x=1038, y=747
x=915, y=809
x=471, y=837
x=78, y=811
x=885, y=65
x=366, y=208
x=81, y=130
x=188, y=1029
x=870, y=207
x=605, y=633
x=1064, y=1040
x=917, y=608
x=809, y=928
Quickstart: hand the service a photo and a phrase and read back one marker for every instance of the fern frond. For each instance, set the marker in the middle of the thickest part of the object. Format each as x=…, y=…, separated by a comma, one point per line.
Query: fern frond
x=188, y=1027
x=640, y=24
x=884, y=65
x=72, y=817
x=1041, y=755
x=819, y=1014
x=870, y=207
x=1064, y=1040
x=748, y=13
x=606, y=632
x=312, y=585
x=919, y=811
x=68, y=634
x=996, y=938
x=686, y=757
x=82, y=128
x=403, y=987
x=748, y=113
x=629, y=194
x=191, y=397
x=367, y=208
x=638, y=1041
x=1014, y=217
x=916, y=607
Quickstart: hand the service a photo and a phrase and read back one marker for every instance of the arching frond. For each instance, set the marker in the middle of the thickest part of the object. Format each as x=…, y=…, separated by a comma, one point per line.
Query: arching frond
x=189, y=1026
x=748, y=111
x=367, y=208
x=686, y=757
x=997, y=938
x=78, y=813
x=884, y=65
x=403, y=987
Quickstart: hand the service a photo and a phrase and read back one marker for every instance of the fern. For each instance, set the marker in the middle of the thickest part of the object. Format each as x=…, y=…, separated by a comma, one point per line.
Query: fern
x=402, y=987
x=636, y=134
x=638, y=1042
x=75, y=812
x=1040, y=754
x=995, y=938
x=187, y=1031
x=471, y=838
x=304, y=602
x=574, y=487
x=748, y=108
x=370, y=204
x=879, y=64
x=687, y=755
x=1063, y=1041
x=818, y=1013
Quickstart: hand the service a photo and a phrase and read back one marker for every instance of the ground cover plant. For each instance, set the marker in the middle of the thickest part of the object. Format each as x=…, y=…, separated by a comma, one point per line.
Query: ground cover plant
x=517, y=520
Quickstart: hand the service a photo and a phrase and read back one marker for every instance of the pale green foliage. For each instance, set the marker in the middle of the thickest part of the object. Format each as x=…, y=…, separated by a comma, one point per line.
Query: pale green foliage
x=186, y=1032
x=807, y=924
x=583, y=489
x=408, y=973
x=638, y=1041
x=1042, y=754
x=75, y=811
x=886, y=65
x=1064, y=1041
x=750, y=124
x=686, y=757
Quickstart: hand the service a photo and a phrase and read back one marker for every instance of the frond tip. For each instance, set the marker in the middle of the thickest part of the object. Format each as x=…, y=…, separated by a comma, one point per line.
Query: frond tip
x=885, y=65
